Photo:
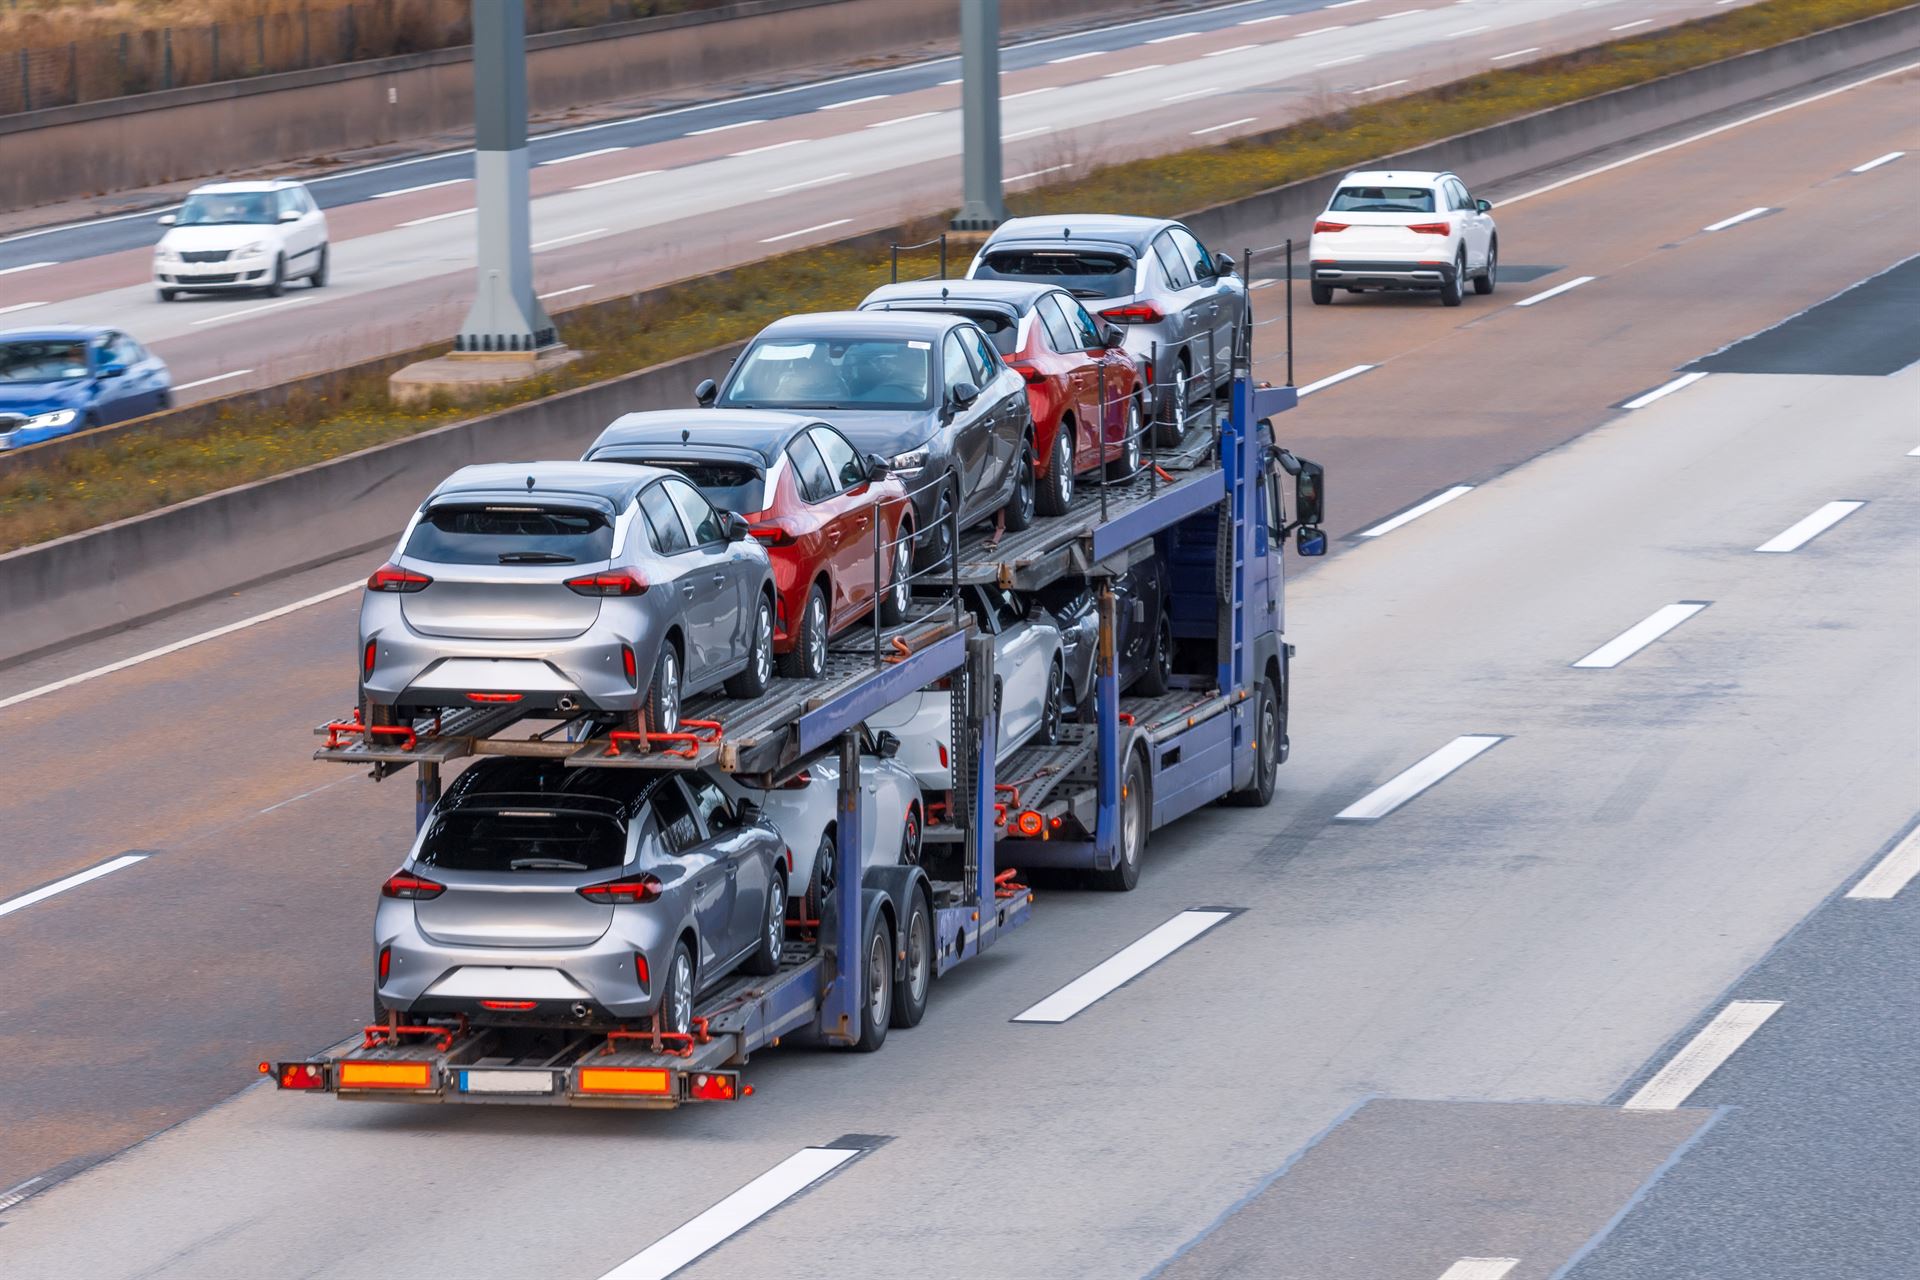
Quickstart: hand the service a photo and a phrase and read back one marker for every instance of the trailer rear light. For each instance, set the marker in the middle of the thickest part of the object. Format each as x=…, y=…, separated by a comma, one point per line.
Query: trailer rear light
x=507, y=1006
x=1431, y=228
x=713, y=1087
x=403, y=885
x=648, y=1080
x=620, y=582
x=386, y=1075
x=296, y=1075
x=621, y=892
x=386, y=962
x=641, y=972
x=391, y=577
x=1133, y=313
x=1323, y=228
x=1030, y=823
x=492, y=699
x=366, y=659
x=628, y=664
x=798, y=782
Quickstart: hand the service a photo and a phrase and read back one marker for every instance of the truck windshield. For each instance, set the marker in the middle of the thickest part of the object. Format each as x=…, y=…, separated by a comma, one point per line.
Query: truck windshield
x=1084, y=273
x=530, y=534
x=523, y=839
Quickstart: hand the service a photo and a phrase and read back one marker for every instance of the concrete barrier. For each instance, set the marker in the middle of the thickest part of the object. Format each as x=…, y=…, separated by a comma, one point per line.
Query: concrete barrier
x=144, y=567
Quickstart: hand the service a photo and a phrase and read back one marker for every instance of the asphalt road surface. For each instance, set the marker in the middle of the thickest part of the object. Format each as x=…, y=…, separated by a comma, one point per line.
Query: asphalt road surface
x=1534, y=1019
x=624, y=204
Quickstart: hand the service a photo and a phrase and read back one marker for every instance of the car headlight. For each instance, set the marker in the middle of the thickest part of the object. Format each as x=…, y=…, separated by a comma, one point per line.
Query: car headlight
x=58, y=418
x=910, y=461
x=248, y=250
x=164, y=254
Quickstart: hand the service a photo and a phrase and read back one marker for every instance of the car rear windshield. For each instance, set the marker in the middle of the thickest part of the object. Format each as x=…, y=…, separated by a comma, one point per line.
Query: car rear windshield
x=523, y=839
x=501, y=534
x=731, y=486
x=1382, y=200
x=833, y=373
x=1085, y=273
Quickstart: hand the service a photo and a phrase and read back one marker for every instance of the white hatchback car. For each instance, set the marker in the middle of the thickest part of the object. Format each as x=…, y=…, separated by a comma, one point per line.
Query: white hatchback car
x=806, y=807
x=242, y=236
x=1403, y=231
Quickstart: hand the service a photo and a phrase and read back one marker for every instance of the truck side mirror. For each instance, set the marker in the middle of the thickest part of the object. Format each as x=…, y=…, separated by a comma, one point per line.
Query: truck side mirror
x=1309, y=541
x=706, y=393
x=1309, y=493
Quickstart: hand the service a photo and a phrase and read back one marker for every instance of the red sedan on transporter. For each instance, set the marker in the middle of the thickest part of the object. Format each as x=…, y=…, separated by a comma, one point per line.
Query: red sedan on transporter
x=1047, y=336
x=808, y=496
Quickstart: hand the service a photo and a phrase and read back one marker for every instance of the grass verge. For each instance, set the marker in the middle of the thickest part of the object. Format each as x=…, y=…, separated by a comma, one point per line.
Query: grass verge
x=137, y=474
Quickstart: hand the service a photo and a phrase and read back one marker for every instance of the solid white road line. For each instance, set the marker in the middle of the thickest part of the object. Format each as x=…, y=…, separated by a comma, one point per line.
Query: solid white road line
x=1874, y=163
x=1517, y=53
x=1075, y=57
x=1416, y=511
x=823, y=226
x=1892, y=873
x=1800, y=534
x=1556, y=291
x=1702, y=1056
x=1663, y=390
x=854, y=102
x=1272, y=17
x=1318, y=31
x=1215, y=128
x=1329, y=380
x=1238, y=48
x=1028, y=93
x=771, y=146
x=218, y=377
x=1191, y=94
x=1343, y=4
x=734, y=1214
x=1133, y=71
x=1341, y=62
x=1467, y=31
x=1022, y=177
x=887, y=124
x=438, y=217
x=12, y=905
x=1736, y=219
x=1375, y=88
x=1913, y=453
x=561, y=293
x=178, y=645
x=1384, y=799
x=1628, y=26
x=20, y=306
x=1123, y=967
x=1180, y=35
x=1640, y=635
x=1404, y=13
x=35, y=266
x=581, y=155
x=1480, y=1269
x=1026, y=133
x=425, y=186
x=721, y=128
x=247, y=311
x=578, y=235
x=625, y=177
x=810, y=182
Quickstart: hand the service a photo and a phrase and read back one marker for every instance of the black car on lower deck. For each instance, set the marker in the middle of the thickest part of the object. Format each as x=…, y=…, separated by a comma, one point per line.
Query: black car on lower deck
x=1143, y=631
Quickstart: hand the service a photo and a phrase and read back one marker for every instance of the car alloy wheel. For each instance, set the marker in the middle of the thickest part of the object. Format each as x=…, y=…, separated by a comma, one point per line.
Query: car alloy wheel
x=1019, y=508
x=776, y=917
x=816, y=633
x=938, y=544
x=1050, y=712
x=763, y=644
x=679, y=1001
x=666, y=692
x=910, y=838
x=1058, y=494
x=900, y=593
x=1487, y=279
x=1175, y=428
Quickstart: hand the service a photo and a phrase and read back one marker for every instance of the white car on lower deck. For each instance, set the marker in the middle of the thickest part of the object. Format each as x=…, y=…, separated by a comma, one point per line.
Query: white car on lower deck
x=1388, y=230
x=805, y=809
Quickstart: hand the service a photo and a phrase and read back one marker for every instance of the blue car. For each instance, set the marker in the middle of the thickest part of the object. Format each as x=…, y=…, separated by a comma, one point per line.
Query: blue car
x=66, y=378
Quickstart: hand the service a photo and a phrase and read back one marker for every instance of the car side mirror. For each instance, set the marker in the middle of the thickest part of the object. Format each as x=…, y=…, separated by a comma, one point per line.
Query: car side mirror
x=877, y=466
x=748, y=812
x=1309, y=493
x=1223, y=264
x=1484, y=206
x=886, y=744
x=111, y=370
x=1110, y=336
x=964, y=394
x=736, y=526
x=1309, y=541
x=705, y=392
x=167, y=219
x=289, y=215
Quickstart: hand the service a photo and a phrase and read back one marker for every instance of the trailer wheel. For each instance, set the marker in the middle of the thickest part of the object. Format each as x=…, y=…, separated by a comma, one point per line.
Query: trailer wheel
x=876, y=984
x=1266, y=752
x=1134, y=816
x=916, y=979
x=773, y=930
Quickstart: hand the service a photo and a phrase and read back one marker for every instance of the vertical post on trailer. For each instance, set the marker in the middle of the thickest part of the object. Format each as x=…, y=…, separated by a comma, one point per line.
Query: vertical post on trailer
x=1213, y=371
x=1106, y=712
x=426, y=791
x=1239, y=455
x=984, y=743
x=879, y=523
x=1103, y=441
x=1151, y=431
x=1290, y=310
x=839, y=1016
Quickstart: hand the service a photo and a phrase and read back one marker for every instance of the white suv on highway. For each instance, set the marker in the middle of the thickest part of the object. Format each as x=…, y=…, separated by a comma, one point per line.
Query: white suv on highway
x=1400, y=231
x=242, y=235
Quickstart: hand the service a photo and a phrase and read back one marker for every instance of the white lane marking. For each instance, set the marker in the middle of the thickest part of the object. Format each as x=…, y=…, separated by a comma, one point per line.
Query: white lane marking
x=1215, y=128
x=1341, y=62
x=1802, y=532
x=1075, y=57
x=685, y=1244
x=1467, y=31
x=1640, y=635
x=1892, y=873
x=578, y=235
x=248, y=311
x=35, y=266
x=1665, y=389
x=1343, y=4
x=1317, y=31
x=1193, y=93
x=1414, y=779
x=1480, y=1269
x=855, y=102
x=14, y=1194
x=1238, y=48
x=1026, y=133
x=957, y=80
x=1703, y=1055
x=21, y=306
x=438, y=217
x=1624, y=161
x=1404, y=13
x=12, y=905
x=581, y=155
x=1329, y=380
x=1375, y=88
x=1123, y=966
x=721, y=128
x=1265, y=284
x=1179, y=35
x=218, y=377
x=1022, y=177
x=823, y=226
x=887, y=124
x=561, y=293
x=304, y=794
x=1874, y=163
x=425, y=186
x=1028, y=93
x=1416, y=511
x=771, y=146
x=810, y=182
x=1272, y=17
x=1913, y=453
x=1517, y=53
x=1736, y=219
x=1628, y=26
x=625, y=177
x=1133, y=71
x=166, y=649
x=1556, y=291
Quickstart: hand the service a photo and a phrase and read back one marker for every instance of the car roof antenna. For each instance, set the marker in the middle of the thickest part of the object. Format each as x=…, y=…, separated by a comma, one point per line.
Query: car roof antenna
x=529, y=484
x=685, y=435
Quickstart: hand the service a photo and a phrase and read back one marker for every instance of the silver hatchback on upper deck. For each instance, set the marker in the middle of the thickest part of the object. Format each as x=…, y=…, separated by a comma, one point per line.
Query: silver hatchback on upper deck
x=602, y=588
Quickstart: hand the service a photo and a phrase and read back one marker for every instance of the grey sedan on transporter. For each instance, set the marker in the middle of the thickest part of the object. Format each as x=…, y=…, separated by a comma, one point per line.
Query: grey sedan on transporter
x=927, y=392
x=542, y=895
x=573, y=587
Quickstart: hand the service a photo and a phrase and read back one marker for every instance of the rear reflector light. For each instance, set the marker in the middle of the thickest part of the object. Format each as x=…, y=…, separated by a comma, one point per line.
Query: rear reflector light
x=1028, y=372
x=1029, y=823
x=1321, y=228
x=386, y=962
x=402, y=885
x=491, y=699
x=772, y=535
x=391, y=577
x=640, y=970
x=507, y=1006
x=386, y=1075
x=943, y=754
x=1133, y=313
x=1431, y=229
x=628, y=663
x=620, y=892
x=713, y=1087
x=366, y=659
x=648, y=1080
x=617, y=583
x=799, y=781
x=296, y=1075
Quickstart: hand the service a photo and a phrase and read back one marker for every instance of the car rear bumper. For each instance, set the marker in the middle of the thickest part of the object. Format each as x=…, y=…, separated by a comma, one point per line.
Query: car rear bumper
x=585, y=673
x=573, y=986
x=1379, y=274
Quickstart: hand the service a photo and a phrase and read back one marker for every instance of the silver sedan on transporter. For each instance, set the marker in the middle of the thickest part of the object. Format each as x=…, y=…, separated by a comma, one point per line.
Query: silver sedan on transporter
x=543, y=895
x=573, y=587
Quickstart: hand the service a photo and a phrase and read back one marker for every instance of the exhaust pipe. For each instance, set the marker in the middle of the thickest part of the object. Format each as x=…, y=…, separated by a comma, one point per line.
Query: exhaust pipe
x=568, y=704
x=580, y=1010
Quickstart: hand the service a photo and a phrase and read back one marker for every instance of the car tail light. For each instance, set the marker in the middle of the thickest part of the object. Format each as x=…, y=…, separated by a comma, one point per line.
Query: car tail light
x=507, y=1006
x=366, y=659
x=632, y=667
x=799, y=781
x=1029, y=823
x=386, y=962
x=401, y=884
x=391, y=577
x=712, y=1087
x=622, y=892
x=1431, y=228
x=640, y=970
x=943, y=754
x=296, y=1075
x=772, y=535
x=1028, y=372
x=617, y=583
x=491, y=699
x=1322, y=228
x=1133, y=313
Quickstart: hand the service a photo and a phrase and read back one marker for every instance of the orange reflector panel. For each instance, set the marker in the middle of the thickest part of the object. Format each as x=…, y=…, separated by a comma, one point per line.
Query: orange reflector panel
x=624, y=1080
x=1031, y=823
x=386, y=1075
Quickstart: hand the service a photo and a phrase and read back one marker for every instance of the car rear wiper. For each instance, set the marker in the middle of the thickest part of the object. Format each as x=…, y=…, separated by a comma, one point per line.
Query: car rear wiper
x=534, y=557
x=545, y=864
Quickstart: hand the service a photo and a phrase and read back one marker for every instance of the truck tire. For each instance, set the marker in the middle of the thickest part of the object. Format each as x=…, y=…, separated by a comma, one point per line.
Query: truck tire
x=913, y=989
x=876, y=984
x=773, y=931
x=1258, y=793
x=1135, y=814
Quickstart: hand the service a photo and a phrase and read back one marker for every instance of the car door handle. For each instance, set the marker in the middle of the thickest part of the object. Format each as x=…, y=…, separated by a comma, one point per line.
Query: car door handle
x=686, y=588
x=719, y=579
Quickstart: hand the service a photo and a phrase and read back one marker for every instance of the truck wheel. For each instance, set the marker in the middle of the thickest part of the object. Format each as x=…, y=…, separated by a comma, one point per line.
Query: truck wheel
x=752, y=682
x=916, y=983
x=773, y=930
x=1134, y=816
x=1266, y=752
x=876, y=983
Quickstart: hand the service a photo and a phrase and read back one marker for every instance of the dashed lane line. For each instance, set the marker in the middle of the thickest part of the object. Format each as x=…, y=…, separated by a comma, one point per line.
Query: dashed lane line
x=1703, y=1055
